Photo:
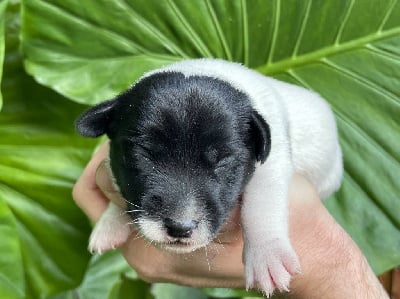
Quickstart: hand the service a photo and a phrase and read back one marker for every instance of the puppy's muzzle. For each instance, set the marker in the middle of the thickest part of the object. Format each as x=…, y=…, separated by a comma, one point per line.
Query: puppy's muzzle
x=180, y=229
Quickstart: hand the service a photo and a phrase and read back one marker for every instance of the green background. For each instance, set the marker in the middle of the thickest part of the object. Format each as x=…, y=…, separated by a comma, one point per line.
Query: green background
x=59, y=56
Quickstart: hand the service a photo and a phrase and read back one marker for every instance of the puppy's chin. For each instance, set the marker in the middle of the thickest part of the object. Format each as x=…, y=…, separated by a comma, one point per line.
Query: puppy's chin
x=154, y=232
x=181, y=248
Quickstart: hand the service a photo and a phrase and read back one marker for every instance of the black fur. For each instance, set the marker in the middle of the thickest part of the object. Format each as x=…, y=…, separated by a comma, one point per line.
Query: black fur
x=172, y=136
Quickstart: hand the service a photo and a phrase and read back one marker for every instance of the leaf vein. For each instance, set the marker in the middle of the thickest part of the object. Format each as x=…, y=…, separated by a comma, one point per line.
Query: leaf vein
x=245, y=32
x=351, y=123
x=383, y=53
x=219, y=31
x=362, y=80
x=275, y=30
x=190, y=32
x=22, y=228
x=344, y=22
x=363, y=135
x=285, y=65
x=157, y=33
x=16, y=289
x=106, y=32
x=387, y=14
x=43, y=209
x=363, y=188
x=302, y=29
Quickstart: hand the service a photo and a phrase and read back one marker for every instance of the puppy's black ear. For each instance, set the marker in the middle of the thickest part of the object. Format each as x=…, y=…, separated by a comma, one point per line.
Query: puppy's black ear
x=95, y=121
x=261, y=136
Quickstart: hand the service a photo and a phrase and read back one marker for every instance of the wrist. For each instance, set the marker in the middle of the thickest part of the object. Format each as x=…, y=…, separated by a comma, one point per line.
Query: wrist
x=332, y=264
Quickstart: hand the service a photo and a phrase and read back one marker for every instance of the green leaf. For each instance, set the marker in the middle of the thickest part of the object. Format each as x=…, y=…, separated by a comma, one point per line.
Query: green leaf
x=167, y=291
x=346, y=50
x=128, y=288
x=230, y=293
x=44, y=235
x=38, y=165
x=102, y=276
x=3, y=6
x=11, y=275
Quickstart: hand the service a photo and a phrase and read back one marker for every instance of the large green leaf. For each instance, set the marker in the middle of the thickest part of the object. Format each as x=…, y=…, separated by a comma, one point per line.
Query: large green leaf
x=11, y=275
x=167, y=291
x=43, y=233
x=3, y=5
x=347, y=50
x=104, y=273
x=232, y=293
x=129, y=288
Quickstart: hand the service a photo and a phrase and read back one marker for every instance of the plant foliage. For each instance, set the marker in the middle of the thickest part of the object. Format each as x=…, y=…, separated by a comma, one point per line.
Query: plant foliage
x=83, y=52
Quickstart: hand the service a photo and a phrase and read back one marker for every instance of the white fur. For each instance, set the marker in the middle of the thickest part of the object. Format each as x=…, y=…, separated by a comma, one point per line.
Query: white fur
x=111, y=231
x=155, y=231
x=304, y=140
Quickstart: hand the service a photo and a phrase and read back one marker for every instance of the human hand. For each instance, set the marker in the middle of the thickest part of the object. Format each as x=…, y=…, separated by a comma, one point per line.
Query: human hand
x=332, y=265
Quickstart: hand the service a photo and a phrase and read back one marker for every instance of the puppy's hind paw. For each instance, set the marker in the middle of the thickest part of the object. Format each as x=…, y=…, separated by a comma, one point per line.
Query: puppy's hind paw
x=270, y=266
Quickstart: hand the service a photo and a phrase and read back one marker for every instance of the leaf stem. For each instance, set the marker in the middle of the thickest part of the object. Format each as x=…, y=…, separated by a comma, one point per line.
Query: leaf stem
x=293, y=62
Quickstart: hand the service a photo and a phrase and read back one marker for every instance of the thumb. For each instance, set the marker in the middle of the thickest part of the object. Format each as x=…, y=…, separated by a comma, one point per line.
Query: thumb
x=105, y=181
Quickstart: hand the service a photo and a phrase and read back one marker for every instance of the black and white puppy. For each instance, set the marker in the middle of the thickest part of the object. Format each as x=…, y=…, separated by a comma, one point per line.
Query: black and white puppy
x=189, y=138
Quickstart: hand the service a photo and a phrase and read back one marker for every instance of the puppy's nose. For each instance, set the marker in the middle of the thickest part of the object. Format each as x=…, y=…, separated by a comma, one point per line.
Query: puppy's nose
x=180, y=229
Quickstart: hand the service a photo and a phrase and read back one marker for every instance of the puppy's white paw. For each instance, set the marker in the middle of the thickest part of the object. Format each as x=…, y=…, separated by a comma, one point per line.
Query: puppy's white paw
x=109, y=233
x=270, y=265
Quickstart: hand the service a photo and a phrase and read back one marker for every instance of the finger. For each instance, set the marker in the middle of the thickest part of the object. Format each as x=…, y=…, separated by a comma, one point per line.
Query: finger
x=105, y=183
x=86, y=193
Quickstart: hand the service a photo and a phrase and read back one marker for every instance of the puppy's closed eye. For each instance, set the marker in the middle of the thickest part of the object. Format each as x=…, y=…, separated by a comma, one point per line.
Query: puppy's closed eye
x=211, y=156
x=214, y=157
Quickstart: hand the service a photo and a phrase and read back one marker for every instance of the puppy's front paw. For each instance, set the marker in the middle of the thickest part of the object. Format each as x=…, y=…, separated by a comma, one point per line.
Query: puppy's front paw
x=109, y=233
x=270, y=265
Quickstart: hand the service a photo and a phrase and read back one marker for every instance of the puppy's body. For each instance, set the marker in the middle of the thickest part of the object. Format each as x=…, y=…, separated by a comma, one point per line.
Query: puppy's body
x=187, y=139
x=301, y=122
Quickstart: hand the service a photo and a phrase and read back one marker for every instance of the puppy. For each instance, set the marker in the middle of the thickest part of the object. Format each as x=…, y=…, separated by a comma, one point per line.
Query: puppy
x=187, y=139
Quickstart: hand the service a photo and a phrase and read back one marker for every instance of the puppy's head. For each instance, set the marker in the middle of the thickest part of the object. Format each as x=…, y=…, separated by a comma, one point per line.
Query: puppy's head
x=181, y=151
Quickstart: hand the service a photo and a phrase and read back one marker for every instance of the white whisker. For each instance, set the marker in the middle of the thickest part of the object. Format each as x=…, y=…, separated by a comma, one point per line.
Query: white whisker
x=135, y=205
x=133, y=211
x=139, y=235
x=220, y=243
x=131, y=223
x=208, y=261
